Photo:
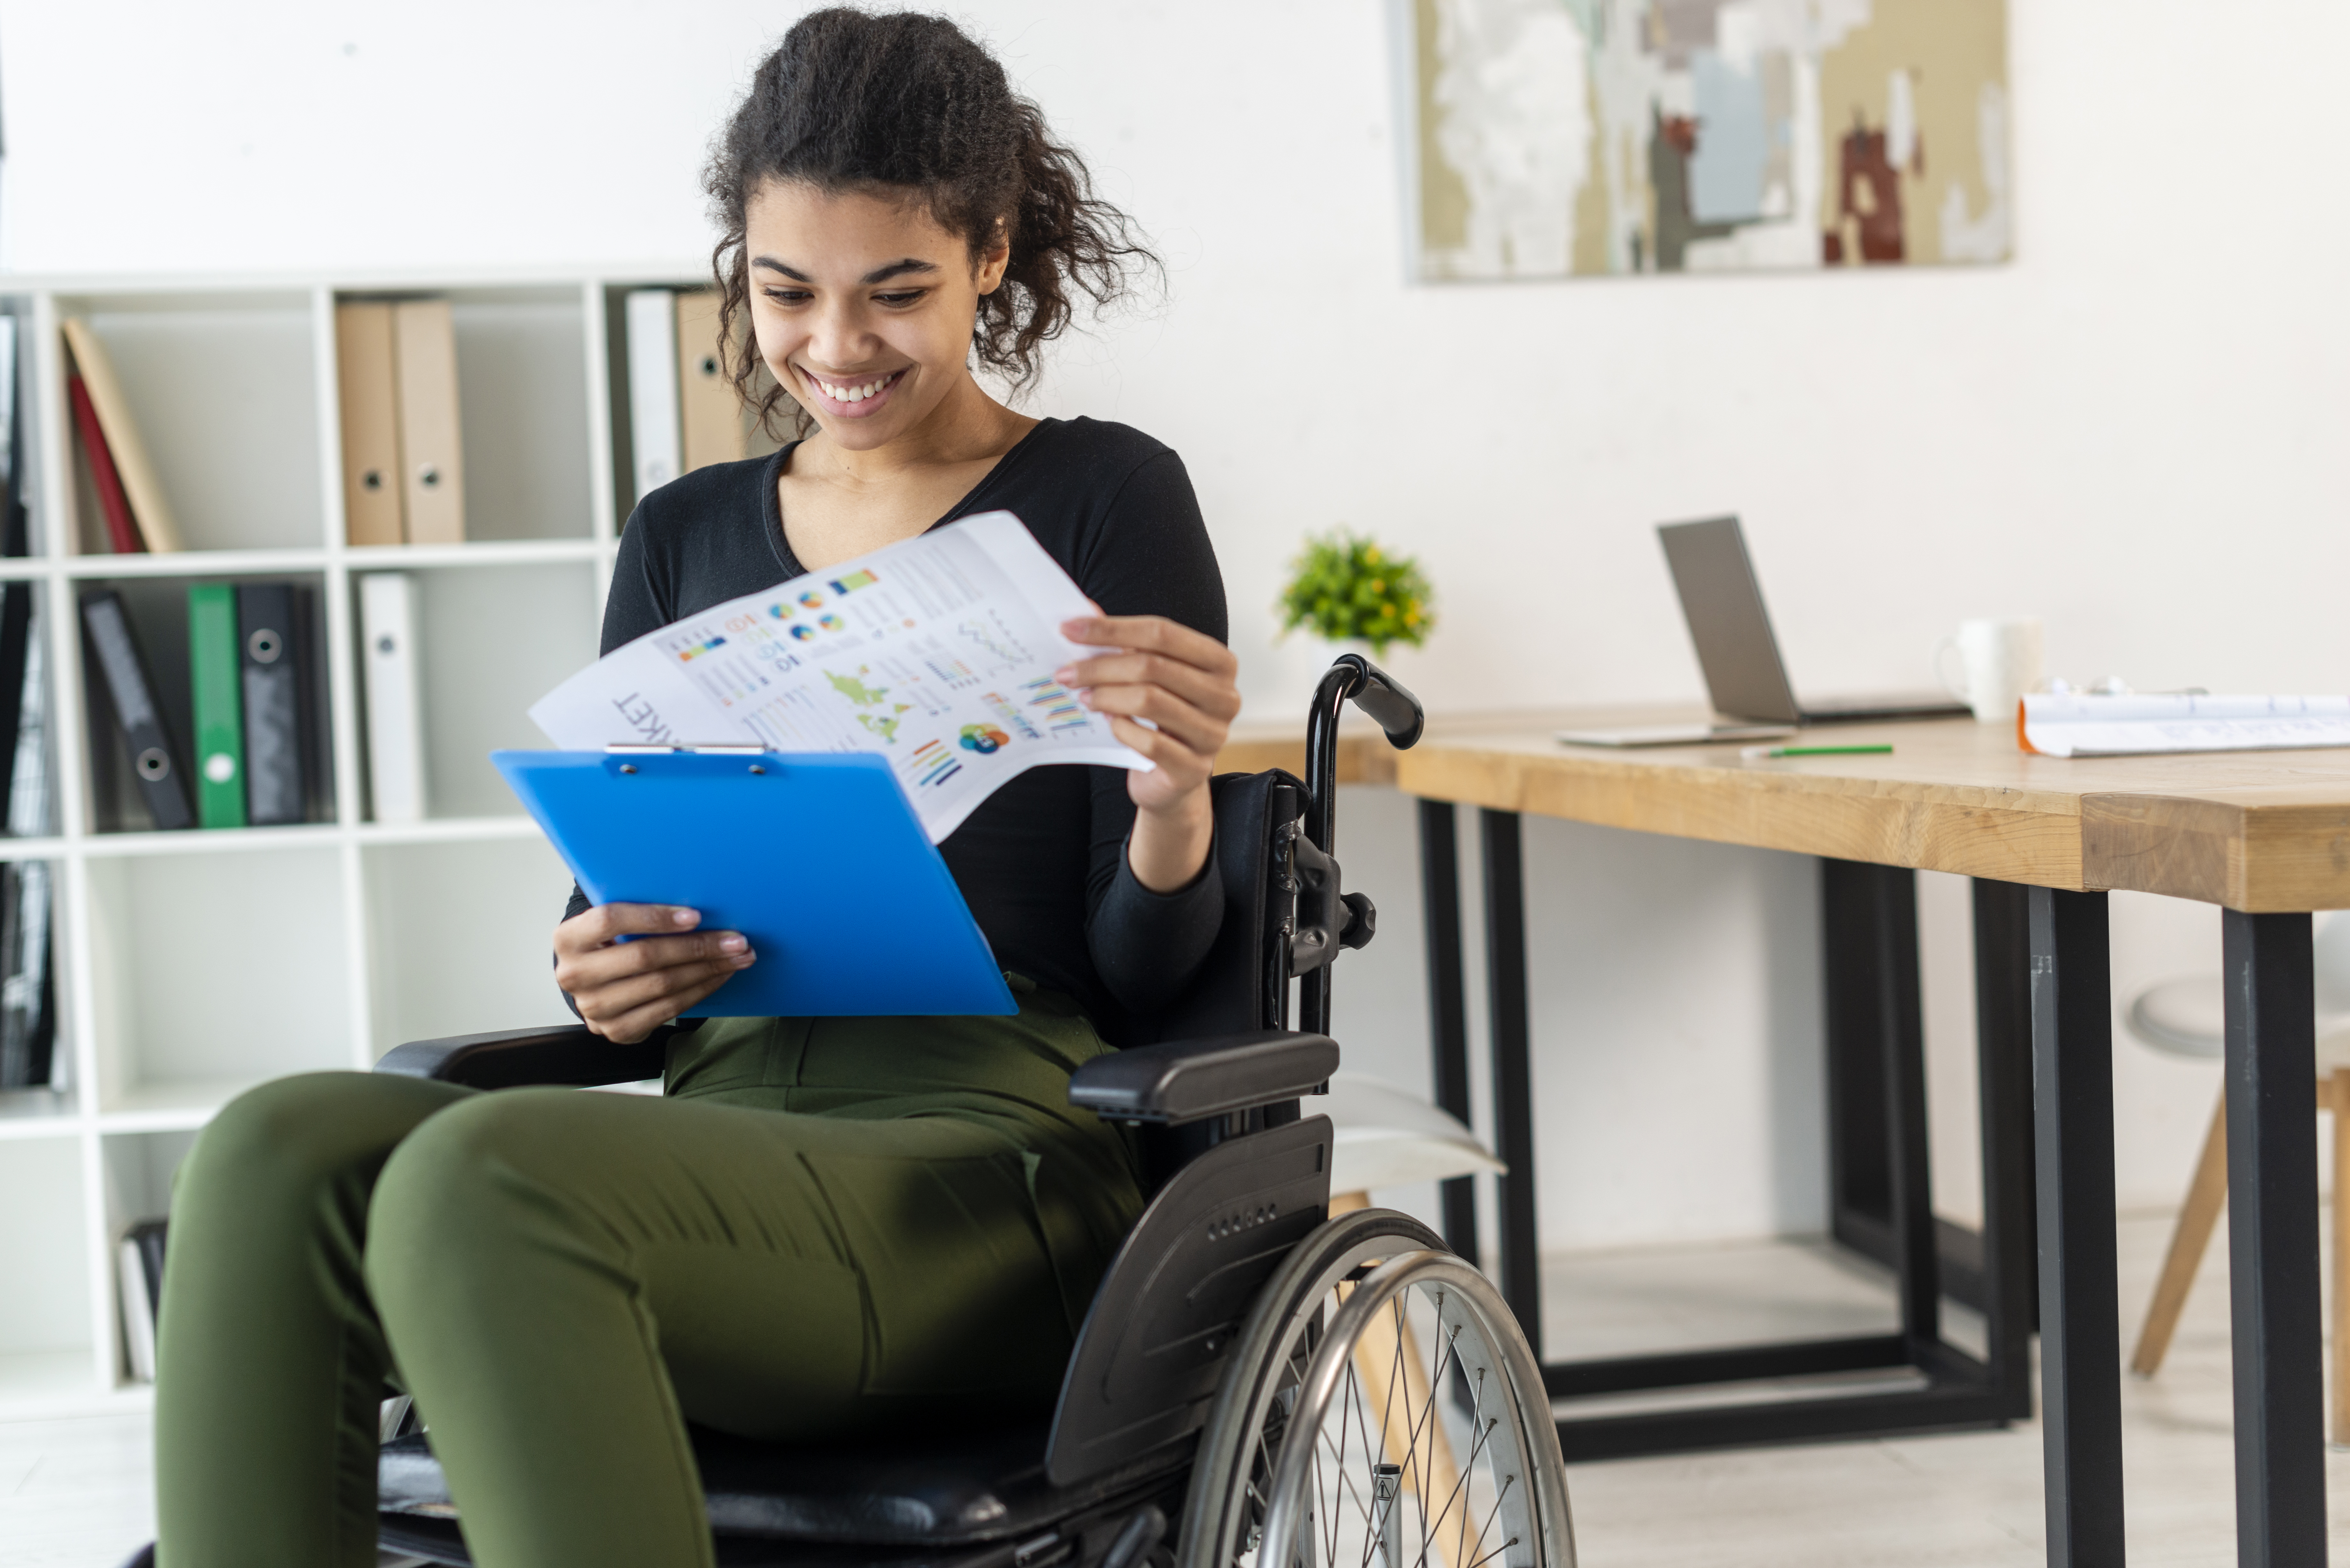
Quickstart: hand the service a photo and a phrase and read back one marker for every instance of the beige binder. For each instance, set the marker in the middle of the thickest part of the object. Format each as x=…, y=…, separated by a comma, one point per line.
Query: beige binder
x=368, y=383
x=140, y=485
x=710, y=421
x=432, y=457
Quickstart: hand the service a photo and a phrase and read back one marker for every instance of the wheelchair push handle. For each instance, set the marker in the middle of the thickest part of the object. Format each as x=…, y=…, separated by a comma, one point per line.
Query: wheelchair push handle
x=1383, y=697
x=1327, y=919
x=1350, y=678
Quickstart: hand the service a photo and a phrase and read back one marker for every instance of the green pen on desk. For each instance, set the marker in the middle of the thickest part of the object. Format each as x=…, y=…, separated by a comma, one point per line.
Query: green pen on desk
x=1878, y=751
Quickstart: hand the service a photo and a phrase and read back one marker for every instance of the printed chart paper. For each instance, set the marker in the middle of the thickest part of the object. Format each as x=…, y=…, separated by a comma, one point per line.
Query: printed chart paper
x=937, y=652
x=2091, y=726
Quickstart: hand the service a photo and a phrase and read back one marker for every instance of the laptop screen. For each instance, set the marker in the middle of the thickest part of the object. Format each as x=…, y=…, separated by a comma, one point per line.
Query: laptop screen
x=1723, y=606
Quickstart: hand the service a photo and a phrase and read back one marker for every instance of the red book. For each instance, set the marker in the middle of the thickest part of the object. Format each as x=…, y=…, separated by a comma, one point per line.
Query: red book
x=119, y=528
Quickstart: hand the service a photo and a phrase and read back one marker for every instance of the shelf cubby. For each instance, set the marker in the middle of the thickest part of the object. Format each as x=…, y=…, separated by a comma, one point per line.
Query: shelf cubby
x=223, y=390
x=212, y=972
x=443, y=966
x=522, y=412
x=156, y=605
x=46, y=1320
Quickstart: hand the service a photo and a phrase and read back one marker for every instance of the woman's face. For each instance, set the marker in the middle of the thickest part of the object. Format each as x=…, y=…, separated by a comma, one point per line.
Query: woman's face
x=863, y=307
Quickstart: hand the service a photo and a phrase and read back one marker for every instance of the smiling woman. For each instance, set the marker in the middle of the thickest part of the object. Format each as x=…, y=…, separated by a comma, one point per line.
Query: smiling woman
x=824, y=1225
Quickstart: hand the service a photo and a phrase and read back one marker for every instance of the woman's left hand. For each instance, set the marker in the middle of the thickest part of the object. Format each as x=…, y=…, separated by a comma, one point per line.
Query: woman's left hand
x=1183, y=682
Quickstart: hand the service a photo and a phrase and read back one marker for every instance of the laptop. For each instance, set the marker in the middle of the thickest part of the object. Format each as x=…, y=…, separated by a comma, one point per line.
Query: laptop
x=1744, y=677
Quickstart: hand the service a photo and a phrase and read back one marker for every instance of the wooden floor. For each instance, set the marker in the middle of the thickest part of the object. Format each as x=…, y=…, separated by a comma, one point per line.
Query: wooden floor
x=74, y=1492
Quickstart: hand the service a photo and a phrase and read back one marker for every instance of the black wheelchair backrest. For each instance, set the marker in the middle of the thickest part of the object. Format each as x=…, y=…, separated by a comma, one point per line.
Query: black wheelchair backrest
x=1241, y=984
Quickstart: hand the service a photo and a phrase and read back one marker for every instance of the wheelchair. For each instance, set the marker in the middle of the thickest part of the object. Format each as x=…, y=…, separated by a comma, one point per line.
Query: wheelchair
x=1257, y=1381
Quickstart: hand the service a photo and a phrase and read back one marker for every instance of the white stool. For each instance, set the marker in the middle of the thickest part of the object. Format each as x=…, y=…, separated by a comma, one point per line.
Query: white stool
x=1385, y=1137
x=2188, y=1017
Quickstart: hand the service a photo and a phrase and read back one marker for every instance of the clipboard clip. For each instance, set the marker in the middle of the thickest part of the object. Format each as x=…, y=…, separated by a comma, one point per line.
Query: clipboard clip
x=633, y=749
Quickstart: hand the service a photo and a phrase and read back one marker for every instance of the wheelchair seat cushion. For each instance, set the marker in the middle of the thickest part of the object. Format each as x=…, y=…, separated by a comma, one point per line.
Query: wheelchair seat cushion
x=945, y=1489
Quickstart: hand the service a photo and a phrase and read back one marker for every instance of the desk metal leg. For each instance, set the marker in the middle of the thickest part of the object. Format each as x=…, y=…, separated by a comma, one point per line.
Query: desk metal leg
x=1447, y=1008
x=1871, y=934
x=2003, y=1089
x=2080, y=1335
x=1514, y=1111
x=2271, y=1074
x=1901, y=1039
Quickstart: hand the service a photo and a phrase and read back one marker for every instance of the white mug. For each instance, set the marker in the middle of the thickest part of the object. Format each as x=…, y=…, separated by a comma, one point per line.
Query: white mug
x=2000, y=657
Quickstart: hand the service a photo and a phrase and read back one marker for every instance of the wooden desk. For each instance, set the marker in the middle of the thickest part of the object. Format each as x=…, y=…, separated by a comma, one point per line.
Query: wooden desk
x=2266, y=836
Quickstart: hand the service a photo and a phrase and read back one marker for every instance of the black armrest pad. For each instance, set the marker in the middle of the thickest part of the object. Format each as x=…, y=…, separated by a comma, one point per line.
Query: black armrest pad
x=1187, y=1080
x=559, y=1053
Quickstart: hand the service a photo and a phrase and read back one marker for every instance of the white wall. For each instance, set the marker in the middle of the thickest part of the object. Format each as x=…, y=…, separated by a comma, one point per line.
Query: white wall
x=2134, y=430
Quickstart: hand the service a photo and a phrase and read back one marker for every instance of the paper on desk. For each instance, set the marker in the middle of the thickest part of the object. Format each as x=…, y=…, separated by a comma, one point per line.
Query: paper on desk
x=937, y=652
x=2089, y=726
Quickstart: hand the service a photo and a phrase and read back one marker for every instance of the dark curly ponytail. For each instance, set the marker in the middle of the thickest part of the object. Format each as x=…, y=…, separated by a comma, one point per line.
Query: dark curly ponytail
x=855, y=102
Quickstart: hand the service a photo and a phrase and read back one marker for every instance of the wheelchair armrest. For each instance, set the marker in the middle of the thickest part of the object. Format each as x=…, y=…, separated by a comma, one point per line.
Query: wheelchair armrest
x=559, y=1053
x=1191, y=1080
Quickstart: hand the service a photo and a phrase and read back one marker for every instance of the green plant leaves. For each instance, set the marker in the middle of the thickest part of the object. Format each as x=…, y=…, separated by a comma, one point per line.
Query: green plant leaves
x=1345, y=587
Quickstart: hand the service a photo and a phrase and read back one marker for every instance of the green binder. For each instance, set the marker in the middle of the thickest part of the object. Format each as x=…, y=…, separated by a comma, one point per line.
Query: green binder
x=219, y=714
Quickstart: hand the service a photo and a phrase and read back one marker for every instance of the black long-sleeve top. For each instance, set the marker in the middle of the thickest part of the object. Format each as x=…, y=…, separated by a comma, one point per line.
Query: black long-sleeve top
x=1042, y=862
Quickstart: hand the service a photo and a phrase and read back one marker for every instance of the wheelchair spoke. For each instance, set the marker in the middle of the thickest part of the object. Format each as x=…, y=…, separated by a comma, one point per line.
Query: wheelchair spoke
x=1352, y=1401
x=1404, y=1452
x=1479, y=1439
x=1426, y=1428
x=1349, y=1413
x=1432, y=1525
x=1427, y=1467
x=1507, y=1482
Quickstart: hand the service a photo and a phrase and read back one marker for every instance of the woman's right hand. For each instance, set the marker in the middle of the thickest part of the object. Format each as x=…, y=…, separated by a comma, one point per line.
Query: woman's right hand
x=625, y=991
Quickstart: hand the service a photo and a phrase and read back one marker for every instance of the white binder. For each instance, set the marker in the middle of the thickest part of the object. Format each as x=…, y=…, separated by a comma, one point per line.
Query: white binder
x=654, y=435
x=394, y=729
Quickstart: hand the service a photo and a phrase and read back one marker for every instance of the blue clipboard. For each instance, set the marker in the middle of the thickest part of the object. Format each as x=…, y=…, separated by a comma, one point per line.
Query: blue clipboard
x=817, y=858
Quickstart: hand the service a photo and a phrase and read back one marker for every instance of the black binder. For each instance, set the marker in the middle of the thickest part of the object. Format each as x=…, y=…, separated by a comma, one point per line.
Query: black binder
x=16, y=648
x=163, y=783
x=28, y=1015
x=270, y=660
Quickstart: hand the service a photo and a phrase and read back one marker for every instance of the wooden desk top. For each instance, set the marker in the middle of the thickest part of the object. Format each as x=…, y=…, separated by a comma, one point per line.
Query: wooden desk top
x=2258, y=831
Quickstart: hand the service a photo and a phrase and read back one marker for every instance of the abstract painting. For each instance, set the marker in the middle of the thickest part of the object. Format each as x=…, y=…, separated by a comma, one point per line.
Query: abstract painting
x=1585, y=138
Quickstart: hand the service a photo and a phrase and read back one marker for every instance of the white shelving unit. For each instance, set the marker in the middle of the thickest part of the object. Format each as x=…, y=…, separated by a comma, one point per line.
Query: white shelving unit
x=192, y=965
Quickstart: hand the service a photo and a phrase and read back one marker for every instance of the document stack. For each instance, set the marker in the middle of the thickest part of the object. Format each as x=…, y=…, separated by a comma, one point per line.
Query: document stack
x=403, y=458
x=250, y=701
x=137, y=516
x=138, y=1270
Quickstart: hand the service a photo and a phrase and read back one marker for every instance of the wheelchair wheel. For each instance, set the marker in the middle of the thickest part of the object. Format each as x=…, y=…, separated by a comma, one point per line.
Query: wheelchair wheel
x=1380, y=1410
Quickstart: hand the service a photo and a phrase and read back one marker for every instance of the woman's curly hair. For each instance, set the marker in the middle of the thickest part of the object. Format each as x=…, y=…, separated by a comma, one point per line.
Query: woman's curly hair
x=851, y=100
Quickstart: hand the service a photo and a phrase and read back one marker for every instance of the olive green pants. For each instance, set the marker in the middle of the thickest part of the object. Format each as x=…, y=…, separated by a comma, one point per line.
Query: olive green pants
x=826, y=1226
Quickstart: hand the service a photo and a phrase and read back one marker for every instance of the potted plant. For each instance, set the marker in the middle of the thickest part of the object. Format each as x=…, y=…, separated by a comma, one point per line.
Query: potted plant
x=1348, y=591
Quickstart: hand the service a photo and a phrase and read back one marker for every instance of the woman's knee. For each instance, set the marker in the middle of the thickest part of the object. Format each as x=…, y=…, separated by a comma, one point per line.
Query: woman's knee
x=289, y=1137
x=472, y=1183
